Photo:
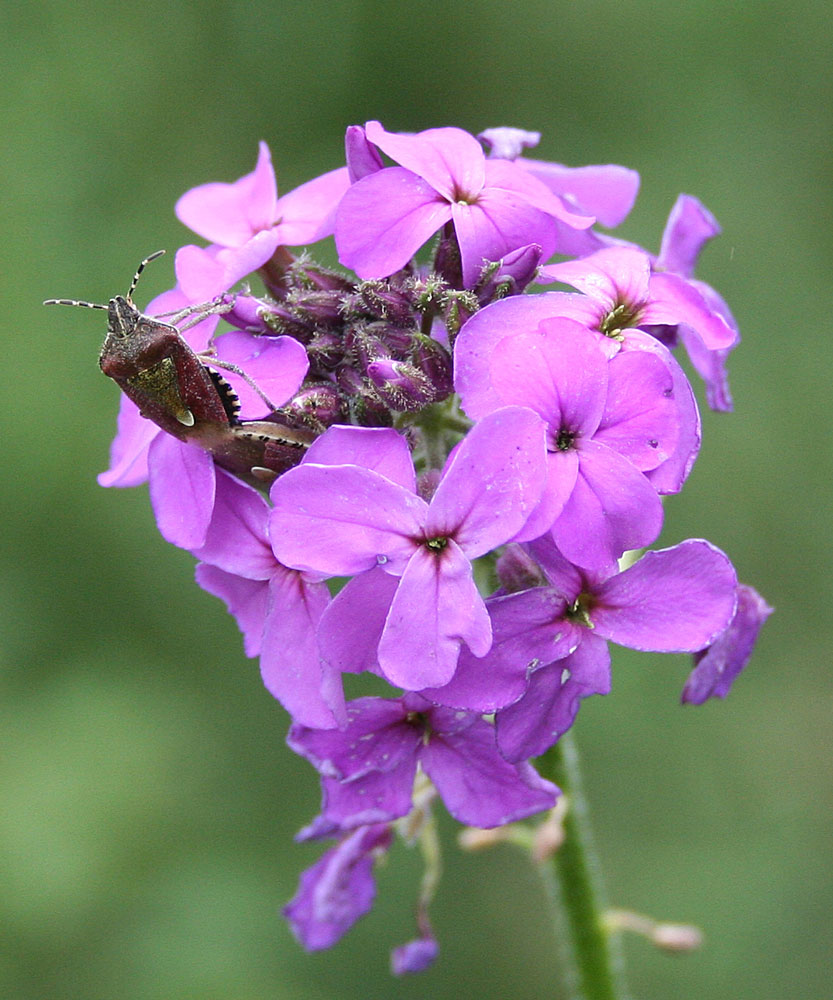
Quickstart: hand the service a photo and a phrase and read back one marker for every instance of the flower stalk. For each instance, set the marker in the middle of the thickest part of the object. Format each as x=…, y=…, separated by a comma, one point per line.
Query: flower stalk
x=591, y=963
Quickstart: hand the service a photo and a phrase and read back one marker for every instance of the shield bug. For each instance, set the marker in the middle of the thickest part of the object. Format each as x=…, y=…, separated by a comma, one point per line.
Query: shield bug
x=184, y=394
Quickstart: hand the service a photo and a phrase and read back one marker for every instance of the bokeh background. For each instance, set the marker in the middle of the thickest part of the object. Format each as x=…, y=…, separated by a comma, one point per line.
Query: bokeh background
x=148, y=802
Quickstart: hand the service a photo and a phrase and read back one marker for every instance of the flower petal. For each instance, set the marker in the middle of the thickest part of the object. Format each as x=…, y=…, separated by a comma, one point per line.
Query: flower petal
x=337, y=890
x=246, y=600
x=129, y=450
x=351, y=627
x=641, y=420
x=277, y=365
x=436, y=608
x=340, y=520
x=380, y=449
x=719, y=664
x=528, y=629
x=675, y=300
x=236, y=540
x=383, y=220
x=229, y=214
x=477, y=340
x=449, y=159
x=495, y=225
x=477, y=785
x=492, y=482
x=306, y=214
x=290, y=665
x=549, y=707
x=377, y=738
x=690, y=226
x=181, y=490
x=612, y=508
x=671, y=600
x=606, y=191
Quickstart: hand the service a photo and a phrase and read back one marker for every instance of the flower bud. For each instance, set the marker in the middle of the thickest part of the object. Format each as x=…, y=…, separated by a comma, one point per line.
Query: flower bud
x=517, y=570
x=318, y=404
x=508, y=143
x=363, y=157
x=459, y=307
x=383, y=301
x=508, y=276
x=401, y=385
x=435, y=362
x=325, y=351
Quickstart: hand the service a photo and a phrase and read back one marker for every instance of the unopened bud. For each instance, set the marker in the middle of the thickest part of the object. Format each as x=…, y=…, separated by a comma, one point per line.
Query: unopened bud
x=281, y=320
x=246, y=314
x=506, y=143
x=380, y=299
x=459, y=307
x=669, y=937
x=474, y=839
x=363, y=157
x=435, y=362
x=517, y=570
x=549, y=835
x=305, y=274
x=677, y=937
x=401, y=385
x=508, y=276
x=320, y=308
x=325, y=350
x=318, y=404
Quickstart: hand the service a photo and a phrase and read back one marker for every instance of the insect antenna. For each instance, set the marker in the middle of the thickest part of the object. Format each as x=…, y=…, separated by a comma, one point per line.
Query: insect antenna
x=97, y=305
x=73, y=302
x=139, y=270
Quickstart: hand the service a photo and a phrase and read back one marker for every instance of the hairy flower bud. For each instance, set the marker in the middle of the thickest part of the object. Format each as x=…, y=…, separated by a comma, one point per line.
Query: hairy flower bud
x=509, y=276
x=320, y=404
x=435, y=362
x=401, y=385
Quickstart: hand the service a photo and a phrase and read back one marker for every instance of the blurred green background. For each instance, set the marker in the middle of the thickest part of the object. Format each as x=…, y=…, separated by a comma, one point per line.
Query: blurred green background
x=148, y=802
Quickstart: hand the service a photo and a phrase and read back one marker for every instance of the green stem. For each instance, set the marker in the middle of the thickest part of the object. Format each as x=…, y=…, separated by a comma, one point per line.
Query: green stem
x=593, y=971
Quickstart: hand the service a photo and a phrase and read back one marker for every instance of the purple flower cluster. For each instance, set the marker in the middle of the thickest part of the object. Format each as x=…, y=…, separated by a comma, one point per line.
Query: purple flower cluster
x=475, y=461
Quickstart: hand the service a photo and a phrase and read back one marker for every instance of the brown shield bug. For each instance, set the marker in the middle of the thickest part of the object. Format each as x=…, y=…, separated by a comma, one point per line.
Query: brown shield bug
x=174, y=387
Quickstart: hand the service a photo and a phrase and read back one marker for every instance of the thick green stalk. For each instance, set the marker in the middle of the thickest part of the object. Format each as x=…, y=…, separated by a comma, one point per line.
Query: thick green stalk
x=592, y=964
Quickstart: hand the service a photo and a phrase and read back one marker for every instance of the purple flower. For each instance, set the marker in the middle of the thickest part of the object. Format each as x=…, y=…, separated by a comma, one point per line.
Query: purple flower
x=338, y=889
x=475, y=348
x=247, y=221
x=443, y=176
x=671, y=600
x=278, y=609
x=368, y=768
x=717, y=666
x=690, y=226
x=608, y=422
x=415, y=956
x=623, y=292
x=348, y=518
x=605, y=191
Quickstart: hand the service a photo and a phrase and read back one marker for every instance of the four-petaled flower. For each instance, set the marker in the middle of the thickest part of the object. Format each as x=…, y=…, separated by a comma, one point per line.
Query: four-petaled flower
x=443, y=176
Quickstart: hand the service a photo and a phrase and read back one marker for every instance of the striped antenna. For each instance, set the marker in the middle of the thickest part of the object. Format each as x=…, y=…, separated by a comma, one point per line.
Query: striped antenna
x=96, y=305
x=139, y=270
x=73, y=302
